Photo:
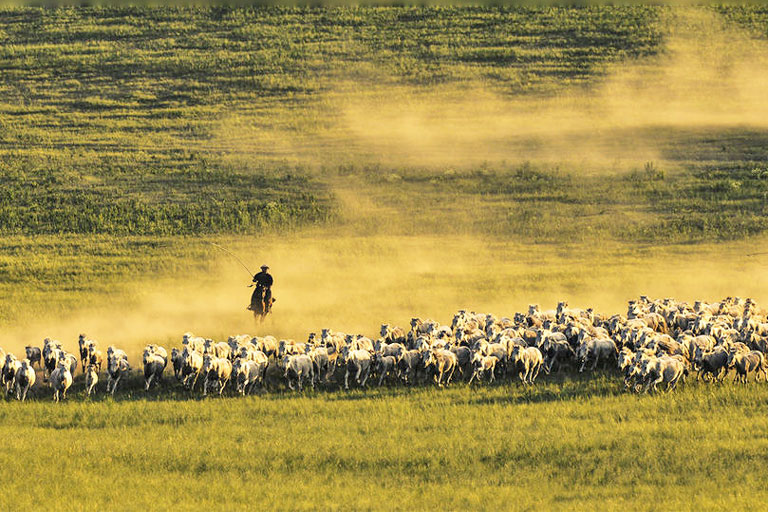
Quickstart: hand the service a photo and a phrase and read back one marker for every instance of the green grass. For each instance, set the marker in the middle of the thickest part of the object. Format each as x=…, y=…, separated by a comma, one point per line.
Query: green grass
x=565, y=444
x=111, y=116
x=189, y=197
x=130, y=121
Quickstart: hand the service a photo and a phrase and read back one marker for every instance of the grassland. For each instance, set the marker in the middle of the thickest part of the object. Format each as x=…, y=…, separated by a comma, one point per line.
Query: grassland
x=565, y=445
x=130, y=121
x=131, y=137
x=108, y=114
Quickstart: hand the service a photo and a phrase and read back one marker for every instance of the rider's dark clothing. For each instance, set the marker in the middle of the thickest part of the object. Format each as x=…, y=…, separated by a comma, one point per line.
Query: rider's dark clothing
x=262, y=280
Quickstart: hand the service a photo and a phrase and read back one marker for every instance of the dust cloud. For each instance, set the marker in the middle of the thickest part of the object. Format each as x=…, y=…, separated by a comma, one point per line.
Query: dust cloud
x=707, y=74
x=355, y=284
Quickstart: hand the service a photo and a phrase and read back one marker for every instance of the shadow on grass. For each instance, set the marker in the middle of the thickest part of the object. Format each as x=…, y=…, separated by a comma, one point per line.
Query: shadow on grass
x=562, y=386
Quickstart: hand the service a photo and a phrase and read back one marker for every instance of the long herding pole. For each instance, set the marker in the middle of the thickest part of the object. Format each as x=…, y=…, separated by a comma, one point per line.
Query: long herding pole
x=234, y=256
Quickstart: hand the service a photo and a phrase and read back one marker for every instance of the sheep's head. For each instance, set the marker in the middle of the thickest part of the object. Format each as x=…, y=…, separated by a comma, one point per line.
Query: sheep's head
x=429, y=358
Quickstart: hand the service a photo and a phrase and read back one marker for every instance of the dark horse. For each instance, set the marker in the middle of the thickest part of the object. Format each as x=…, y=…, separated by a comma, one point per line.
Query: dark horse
x=259, y=304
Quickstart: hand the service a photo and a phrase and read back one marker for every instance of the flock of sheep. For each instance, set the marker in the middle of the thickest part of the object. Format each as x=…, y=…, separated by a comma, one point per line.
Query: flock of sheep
x=657, y=342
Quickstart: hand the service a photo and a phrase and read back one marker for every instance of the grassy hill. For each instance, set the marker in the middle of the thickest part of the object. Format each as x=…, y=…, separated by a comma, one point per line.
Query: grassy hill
x=149, y=121
x=128, y=133
x=125, y=133
x=108, y=115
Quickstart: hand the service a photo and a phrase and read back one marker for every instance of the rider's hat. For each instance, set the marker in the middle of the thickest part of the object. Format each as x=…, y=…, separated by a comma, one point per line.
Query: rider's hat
x=264, y=267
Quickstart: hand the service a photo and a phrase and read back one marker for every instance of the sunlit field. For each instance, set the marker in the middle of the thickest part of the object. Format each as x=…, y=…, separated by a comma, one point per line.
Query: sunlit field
x=386, y=163
x=569, y=443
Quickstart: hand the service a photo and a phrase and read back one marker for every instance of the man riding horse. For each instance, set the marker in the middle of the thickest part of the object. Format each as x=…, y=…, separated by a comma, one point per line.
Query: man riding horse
x=262, y=300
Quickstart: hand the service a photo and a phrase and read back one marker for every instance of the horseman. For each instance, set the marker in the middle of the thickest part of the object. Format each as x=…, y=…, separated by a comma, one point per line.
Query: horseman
x=263, y=282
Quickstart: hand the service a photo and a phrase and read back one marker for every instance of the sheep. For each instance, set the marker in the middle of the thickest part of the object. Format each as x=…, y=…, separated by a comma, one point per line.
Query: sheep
x=194, y=343
x=177, y=361
x=91, y=378
x=50, y=356
x=389, y=349
x=528, y=361
x=291, y=348
x=95, y=357
x=712, y=363
x=116, y=367
x=115, y=353
x=24, y=379
x=236, y=342
x=408, y=366
x=663, y=369
x=744, y=363
x=154, y=365
x=10, y=368
x=463, y=321
x=391, y=334
x=419, y=326
x=323, y=365
x=222, y=350
x=218, y=370
x=61, y=380
x=69, y=359
x=385, y=366
x=192, y=367
x=360, y=342
x=244, y=375
x=483, y=365
x=158, y=351
x=596, y=349
x=422, y=344
x=625, y=362
x=84, y=345
x=498, y=350
x=444, y=362
x=702, y=343
x=312, y=340
x=267, y=344
x=298, y=367
x=463, y=359
x=358, y=362
x=557, y=351
x=247, y=352
x=34, y=354
x=250, y=373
